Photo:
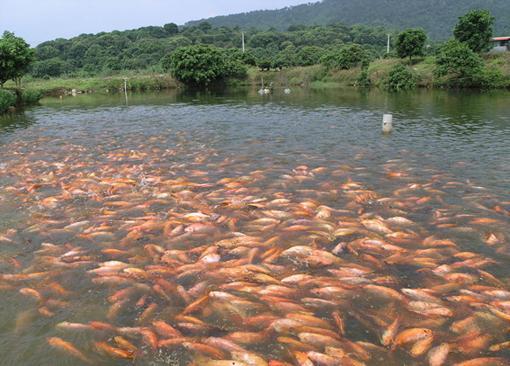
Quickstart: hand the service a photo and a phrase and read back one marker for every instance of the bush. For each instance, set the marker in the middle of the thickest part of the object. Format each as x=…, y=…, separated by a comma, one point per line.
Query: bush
x=29, y=97
x=202, y=65
x=49, y=68
x=491, y=78
x=345, y=58
x=400, y=78
x=460, y=66
x=7, y=99
x=363, y=79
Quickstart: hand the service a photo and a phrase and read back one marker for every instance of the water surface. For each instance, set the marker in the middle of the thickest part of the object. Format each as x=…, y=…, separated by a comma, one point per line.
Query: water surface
x=222, y=197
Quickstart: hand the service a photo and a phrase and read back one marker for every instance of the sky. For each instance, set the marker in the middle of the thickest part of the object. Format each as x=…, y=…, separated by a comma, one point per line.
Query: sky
x=42, y=20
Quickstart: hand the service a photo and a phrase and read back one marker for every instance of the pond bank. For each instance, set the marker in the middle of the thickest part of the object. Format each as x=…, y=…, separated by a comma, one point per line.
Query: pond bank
x=316, y=77
x=99, y=84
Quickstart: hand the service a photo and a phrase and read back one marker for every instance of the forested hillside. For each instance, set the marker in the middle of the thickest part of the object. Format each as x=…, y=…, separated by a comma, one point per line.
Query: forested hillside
x=437, y=17
x=145, y=48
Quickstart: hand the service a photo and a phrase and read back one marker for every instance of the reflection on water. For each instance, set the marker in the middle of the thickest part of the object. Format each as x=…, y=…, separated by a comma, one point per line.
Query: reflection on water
x=233, y=229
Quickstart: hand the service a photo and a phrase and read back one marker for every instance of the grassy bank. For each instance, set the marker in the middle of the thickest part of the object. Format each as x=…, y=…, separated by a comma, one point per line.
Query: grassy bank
x=316, y=76
x=319, y=77
x=98, y=84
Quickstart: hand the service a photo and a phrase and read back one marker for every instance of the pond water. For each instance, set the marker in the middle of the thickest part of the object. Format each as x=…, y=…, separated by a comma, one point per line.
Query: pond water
x=230, y=228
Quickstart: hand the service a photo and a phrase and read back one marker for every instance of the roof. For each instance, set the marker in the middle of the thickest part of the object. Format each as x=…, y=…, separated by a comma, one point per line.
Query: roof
x=497, y=39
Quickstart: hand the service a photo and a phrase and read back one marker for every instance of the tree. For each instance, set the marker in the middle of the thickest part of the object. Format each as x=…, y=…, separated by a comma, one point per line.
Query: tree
x=285, y=58
x=346, y=57
x=475, y=29
x=15, y=58
x=462, y=66
x=309, y=55
x=411, y=43
x=171, y=29
x=49, y=68
x=202, y=65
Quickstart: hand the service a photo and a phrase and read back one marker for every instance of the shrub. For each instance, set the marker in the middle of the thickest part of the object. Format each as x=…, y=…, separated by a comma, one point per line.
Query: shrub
x=202, y=65
x=49, y=68
x=7, y=99
x=346, y=57
x=459, y=65
x=29, y=97
x=363, y=80
x=400, y=78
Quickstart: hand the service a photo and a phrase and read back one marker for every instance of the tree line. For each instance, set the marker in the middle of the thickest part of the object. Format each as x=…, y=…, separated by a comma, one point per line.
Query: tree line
x=148, y=47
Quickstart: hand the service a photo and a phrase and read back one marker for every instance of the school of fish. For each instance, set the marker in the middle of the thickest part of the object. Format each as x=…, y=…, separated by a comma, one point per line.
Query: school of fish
x=202, y=258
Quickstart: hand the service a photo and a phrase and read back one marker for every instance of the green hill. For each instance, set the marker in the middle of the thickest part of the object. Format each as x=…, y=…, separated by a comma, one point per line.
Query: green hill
x=437, y=17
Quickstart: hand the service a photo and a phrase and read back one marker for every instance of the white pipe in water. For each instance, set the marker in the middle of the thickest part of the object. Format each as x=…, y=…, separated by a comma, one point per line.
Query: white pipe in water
x=387, y=125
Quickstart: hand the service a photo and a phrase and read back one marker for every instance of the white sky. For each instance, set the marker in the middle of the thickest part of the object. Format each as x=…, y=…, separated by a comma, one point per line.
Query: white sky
x=41, y=20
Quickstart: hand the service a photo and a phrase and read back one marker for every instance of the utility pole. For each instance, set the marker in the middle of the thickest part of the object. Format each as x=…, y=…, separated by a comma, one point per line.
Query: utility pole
x=242, y=36
x=388, y=44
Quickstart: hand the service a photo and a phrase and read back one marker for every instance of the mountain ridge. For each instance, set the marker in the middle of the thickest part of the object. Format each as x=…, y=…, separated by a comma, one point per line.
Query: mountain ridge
x=437, y=17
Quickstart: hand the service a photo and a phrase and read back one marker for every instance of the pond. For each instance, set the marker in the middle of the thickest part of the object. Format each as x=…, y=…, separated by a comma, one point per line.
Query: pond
x=229, y=228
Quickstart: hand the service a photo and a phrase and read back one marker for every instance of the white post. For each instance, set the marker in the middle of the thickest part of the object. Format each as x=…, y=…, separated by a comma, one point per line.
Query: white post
x=387, y=125
x=125, y=90
x=388, y=44
x=242, y=35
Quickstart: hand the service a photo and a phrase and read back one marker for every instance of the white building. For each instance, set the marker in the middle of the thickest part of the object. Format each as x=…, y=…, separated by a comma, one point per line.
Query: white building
x=500, y=44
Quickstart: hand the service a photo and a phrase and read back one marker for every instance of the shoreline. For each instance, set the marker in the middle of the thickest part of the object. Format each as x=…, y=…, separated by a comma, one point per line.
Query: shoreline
x=316, y=77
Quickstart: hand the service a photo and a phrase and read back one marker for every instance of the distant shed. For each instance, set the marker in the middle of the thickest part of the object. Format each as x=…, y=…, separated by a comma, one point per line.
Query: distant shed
x=500, y=44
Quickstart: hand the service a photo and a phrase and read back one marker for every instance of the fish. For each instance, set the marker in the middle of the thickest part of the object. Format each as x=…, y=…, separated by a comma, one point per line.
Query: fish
x=114, y=352
x=69, y=349
x=224, y=260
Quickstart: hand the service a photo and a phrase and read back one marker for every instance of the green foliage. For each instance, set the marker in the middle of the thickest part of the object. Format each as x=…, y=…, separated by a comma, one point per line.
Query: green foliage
x=461, y=66
x=15, y=57
x=437, y=17
x=400, y=78
x=49, y=68
x=475, y=29
x=7, y=99
x=411, y=43
x=264, y=63
x=363, y=80
x=286, y=58
x=148, y=48
x=346, y=57
x=202, y=65
x=309, y=55
x=29, y=97
x=171, y=28
x=248, y=58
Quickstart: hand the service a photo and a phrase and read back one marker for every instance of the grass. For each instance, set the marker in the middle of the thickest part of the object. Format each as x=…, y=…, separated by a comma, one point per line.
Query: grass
x=500, y=62
x=320, y=78
x=97, y=84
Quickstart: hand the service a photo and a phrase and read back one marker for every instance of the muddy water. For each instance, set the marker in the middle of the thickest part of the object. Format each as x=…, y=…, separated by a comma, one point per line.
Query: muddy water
x=258, y=229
